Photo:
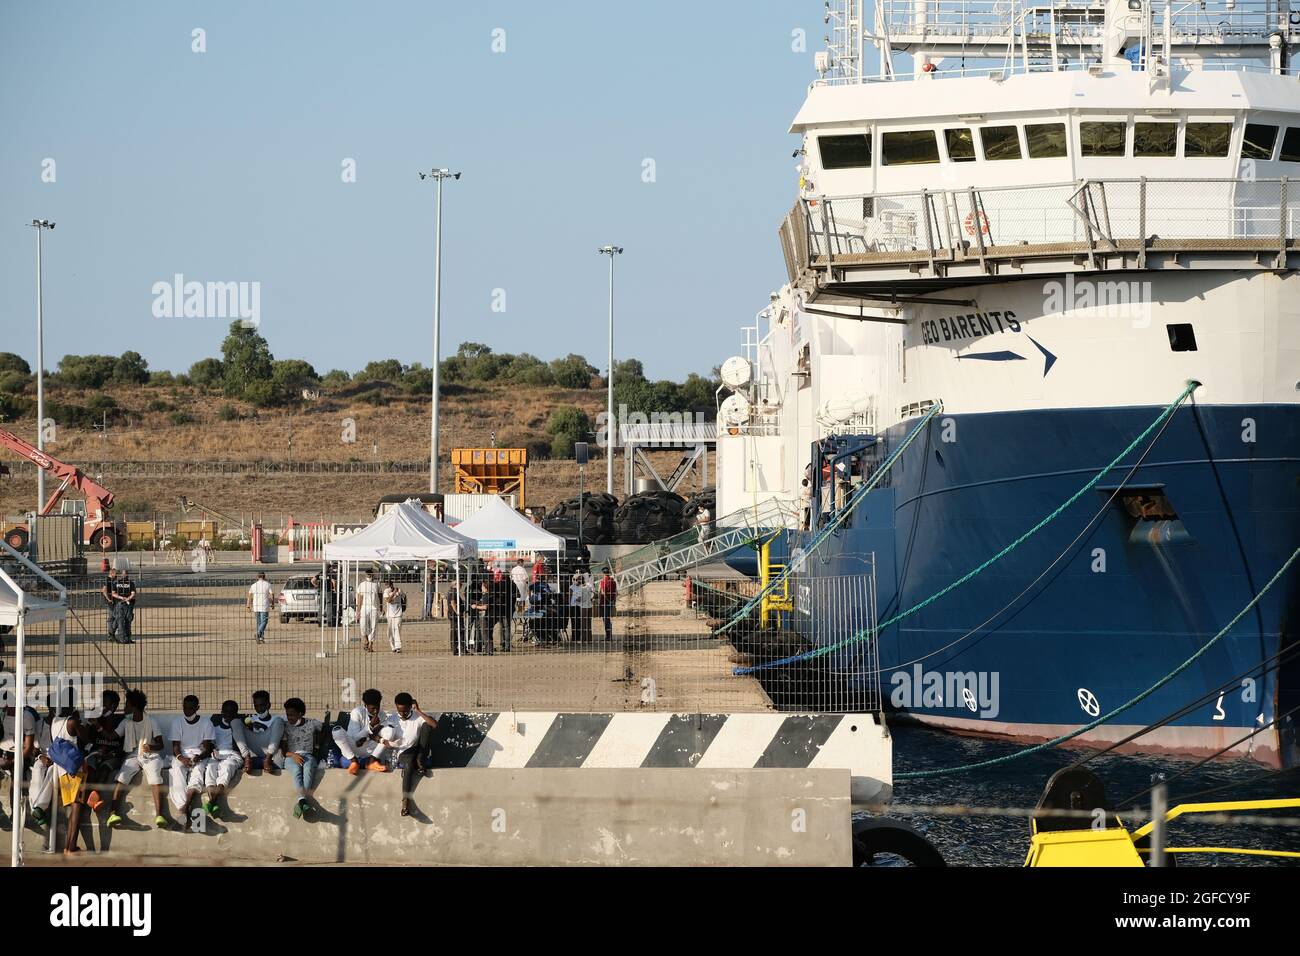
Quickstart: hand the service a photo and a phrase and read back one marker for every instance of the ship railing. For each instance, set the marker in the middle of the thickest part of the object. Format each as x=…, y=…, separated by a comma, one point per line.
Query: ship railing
x=946, y=19
x=1091, y=216
x=1003, y=69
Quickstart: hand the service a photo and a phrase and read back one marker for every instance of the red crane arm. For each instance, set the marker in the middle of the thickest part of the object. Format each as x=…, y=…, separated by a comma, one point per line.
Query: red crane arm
x=98, y=498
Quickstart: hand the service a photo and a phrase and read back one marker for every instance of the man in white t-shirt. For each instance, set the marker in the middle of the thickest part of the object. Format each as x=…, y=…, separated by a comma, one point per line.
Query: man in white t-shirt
x=229, y=751
x=368, y=735
x=192, y=742
x=259, y=602
x=368, y=610
x=142, y=744
x=394, y=608
x=413, y=743
x=520, y=578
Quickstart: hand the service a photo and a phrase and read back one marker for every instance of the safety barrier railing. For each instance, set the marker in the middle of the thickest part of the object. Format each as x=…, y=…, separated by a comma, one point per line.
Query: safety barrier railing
x=1093, y=215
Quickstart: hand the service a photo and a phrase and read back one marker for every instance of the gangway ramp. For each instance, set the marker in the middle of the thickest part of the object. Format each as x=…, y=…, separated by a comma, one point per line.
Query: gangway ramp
x=691, y=547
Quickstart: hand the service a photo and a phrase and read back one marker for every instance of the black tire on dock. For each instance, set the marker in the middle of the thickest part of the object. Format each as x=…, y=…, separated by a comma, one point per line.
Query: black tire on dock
x=882, y=836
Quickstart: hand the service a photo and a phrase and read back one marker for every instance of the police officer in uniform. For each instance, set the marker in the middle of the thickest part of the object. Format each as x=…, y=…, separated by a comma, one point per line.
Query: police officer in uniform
x=124, y=605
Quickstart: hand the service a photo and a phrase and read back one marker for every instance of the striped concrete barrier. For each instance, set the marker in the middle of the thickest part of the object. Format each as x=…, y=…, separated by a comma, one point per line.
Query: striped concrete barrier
x=859, y=743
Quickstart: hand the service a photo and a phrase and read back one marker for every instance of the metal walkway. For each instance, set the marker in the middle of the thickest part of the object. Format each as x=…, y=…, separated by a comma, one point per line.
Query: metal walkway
x=690, y=548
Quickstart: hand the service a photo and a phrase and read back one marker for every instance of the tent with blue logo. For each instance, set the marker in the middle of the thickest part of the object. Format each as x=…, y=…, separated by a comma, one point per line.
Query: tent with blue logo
x=499, y=529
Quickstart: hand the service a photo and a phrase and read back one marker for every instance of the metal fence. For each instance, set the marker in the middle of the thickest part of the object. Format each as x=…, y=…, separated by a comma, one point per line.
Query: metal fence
x=192, y=633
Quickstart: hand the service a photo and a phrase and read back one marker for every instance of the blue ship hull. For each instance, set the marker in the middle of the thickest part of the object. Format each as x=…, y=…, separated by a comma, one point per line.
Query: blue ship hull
x=1131, y=599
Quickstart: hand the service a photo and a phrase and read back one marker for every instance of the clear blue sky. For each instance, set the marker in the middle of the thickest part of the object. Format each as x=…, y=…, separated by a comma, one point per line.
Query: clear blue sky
x=225, y=166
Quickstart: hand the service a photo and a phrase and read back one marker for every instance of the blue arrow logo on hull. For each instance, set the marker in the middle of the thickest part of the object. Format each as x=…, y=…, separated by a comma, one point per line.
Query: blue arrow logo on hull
x=1048, y=358
x=994, y=357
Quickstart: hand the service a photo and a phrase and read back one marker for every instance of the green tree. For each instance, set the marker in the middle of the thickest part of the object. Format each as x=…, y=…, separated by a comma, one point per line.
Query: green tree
x=336, y=378
x=130, y=369
x=291, y=376
x=9, y=362
x=572, y=371
x=13, y=382
x=417, y=380
x=525, y=369
x=86, y=371
x=566, y=425
x=208, y=373
x=246, y=361
x=387, y=370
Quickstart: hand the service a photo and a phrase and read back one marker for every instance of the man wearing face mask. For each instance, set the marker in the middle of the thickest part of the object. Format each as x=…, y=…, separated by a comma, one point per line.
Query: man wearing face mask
x=191, y=739
x=229, y=751
x=262, y=733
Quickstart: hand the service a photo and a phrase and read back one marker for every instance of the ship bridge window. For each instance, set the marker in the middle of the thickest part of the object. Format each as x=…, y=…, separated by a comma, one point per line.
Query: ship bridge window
x=1258, y=141
x=845, y=152
x=1045, y=140
x=1207, y=140
x=1155, y=139
x=1291, y=145
x=961, y=145
x=909, y=148
x=1101, y=139
x=1000, y=142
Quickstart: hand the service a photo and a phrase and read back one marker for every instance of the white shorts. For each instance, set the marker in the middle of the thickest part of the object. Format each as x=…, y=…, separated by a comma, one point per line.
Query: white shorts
x=222, y=768
x=351, y=750
x=184, y=779
x=151, y=765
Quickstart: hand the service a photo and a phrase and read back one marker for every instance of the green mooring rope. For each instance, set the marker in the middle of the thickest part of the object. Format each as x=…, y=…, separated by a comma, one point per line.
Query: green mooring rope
x=1092, y=483
x=1007, y=758
x=827, y=531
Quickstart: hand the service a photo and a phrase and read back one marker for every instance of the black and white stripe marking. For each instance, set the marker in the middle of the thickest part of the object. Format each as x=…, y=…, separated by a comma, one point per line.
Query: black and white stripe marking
x=858, y=743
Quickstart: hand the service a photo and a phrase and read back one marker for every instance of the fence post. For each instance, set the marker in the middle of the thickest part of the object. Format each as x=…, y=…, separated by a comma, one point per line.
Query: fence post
x=1142, y=222
x=1159, y=806
x=1282, y=220
x=929, y=232
x=826, y=240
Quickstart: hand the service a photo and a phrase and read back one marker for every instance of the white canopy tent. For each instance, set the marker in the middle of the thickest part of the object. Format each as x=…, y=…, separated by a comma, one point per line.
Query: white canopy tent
x=404, y=533
x=498, y=528
x=20, y=609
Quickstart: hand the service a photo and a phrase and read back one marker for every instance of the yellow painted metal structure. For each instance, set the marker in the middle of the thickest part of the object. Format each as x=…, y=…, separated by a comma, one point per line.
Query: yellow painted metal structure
x=1116, y=846
x=490, y=471
x=777, y=602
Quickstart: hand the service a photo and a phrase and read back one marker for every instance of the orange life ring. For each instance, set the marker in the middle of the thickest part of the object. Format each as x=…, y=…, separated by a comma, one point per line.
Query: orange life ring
x=970, y=223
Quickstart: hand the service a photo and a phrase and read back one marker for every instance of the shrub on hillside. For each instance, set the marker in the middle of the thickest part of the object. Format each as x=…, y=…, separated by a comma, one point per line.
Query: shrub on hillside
x=567, y=424
x=11, y=362
x=207, y=373
x=13, y=382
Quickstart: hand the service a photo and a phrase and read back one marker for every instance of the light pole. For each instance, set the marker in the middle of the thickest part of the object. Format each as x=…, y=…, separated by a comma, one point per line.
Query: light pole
x=40, y=225
x=611, y=429
x=439, y=175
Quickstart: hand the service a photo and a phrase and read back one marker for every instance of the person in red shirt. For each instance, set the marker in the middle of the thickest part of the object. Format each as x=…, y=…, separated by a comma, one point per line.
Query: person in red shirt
x=539, y=569
x=608, y=590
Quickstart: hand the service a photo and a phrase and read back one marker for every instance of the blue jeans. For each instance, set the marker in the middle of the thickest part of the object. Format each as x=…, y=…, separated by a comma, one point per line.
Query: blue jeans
x=302, y=776
x=261, y=618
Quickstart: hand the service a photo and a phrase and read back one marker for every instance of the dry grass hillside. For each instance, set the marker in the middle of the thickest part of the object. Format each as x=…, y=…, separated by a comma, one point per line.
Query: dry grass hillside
x=177, y=423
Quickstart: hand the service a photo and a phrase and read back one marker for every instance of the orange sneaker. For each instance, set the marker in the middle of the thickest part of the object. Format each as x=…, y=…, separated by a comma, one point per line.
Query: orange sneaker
x=354, y=767
x=94, y=800
x=378, y=766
